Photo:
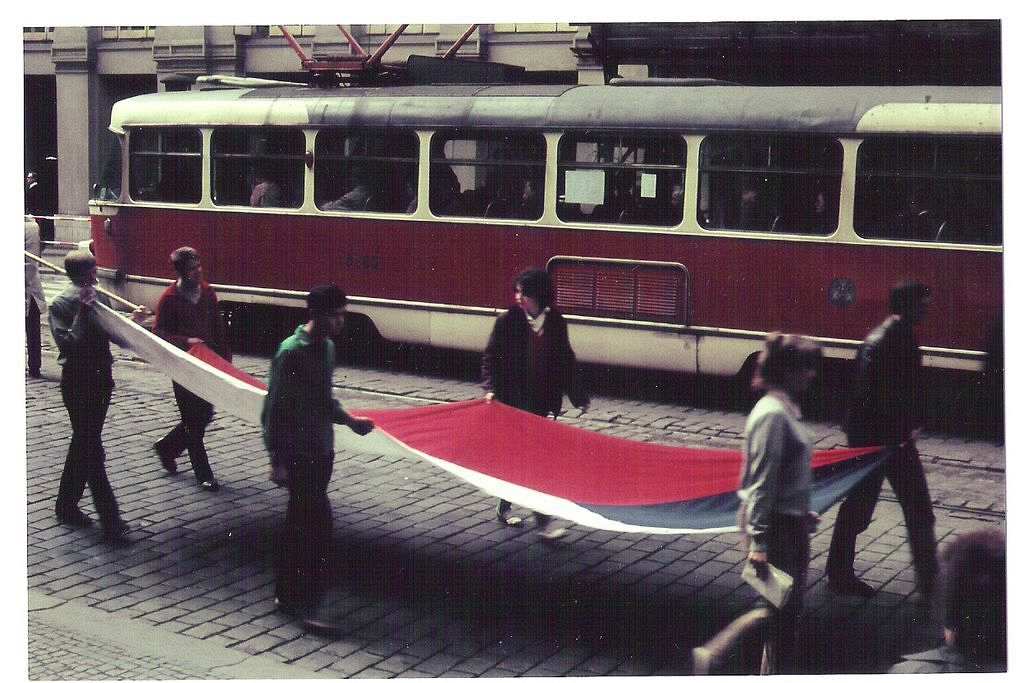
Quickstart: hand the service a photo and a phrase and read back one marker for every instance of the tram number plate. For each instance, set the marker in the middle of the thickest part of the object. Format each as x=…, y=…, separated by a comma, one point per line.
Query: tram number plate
x=362, y=262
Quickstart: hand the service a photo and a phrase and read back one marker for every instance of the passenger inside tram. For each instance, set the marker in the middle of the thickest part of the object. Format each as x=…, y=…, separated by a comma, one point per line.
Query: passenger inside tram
x=531, y=201
x=444, y=189
x=358, y=197
x=920, y=219
x=753, y=211
x=266, y=192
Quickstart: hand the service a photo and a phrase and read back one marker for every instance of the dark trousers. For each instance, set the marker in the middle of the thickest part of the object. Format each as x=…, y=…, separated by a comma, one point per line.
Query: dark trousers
x=87, y=400
x=32, y=338
x=789, y=549
x=196, y=415
x=304, y=547
x=905, y=473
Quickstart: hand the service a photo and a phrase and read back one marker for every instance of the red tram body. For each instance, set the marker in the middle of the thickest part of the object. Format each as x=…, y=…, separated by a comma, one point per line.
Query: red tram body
x=677, y=278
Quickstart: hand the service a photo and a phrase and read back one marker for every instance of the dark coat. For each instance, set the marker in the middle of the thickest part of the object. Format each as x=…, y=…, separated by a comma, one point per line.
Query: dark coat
x=506, y=364
x=887, y=402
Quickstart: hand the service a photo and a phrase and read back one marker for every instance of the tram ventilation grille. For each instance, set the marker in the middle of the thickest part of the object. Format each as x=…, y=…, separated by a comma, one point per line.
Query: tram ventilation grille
x=630, y=291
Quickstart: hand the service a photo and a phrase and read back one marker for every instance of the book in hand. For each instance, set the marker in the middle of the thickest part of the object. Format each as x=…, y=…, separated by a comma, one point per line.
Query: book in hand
x=775, y=589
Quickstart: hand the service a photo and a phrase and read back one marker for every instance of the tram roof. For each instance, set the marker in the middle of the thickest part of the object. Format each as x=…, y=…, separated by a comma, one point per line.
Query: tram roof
x=839, y=109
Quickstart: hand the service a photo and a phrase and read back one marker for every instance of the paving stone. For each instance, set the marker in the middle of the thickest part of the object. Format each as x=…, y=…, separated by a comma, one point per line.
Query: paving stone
x=427, y=577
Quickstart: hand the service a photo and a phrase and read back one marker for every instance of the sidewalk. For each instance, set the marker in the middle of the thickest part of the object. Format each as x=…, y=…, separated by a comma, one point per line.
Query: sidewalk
x=426, y=582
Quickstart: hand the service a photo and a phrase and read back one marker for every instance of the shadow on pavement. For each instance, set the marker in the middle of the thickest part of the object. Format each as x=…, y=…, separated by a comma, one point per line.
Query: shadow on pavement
x=526, y=608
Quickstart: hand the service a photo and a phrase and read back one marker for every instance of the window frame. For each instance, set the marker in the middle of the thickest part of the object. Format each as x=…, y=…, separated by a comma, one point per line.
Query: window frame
x=570, y=138
x=821, y=180
x=382, y=133
x=934, y=183
x=134, y=153
x=255, y=160
x=530, y=169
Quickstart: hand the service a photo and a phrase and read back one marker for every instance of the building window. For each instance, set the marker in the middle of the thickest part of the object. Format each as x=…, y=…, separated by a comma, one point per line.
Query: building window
x=259, y=167
x=366, y=170
x=772, y=183
x=484, y=174
x=127, y=32
x=534, y=28
x=412, y=29
x=37, y=33
x=616, y=178
x=297, y=30
x=165, y=164
x=930, y=189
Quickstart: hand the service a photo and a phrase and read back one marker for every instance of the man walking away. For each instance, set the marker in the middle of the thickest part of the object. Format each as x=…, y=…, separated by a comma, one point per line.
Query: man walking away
x=887, y=409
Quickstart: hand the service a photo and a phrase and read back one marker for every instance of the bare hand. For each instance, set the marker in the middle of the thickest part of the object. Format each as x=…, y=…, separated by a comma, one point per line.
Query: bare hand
x=361, y=425
x=279, y=475
x=87, y=296
x=140, y=314
x=759, y=561
x=489, y=396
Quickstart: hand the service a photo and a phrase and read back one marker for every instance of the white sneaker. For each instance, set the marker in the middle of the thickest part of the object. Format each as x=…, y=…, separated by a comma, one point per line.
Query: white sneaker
x=554, y=534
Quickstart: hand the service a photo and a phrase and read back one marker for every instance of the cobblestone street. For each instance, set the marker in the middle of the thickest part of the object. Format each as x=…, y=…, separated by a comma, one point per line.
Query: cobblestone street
x=425, y=581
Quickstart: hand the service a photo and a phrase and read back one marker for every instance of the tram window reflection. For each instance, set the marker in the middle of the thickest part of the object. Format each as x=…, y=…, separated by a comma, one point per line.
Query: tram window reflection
x=365, y=170
x=165, y=165
x=929, y=190
x=487, y=175
x=260, y=167
x=772, y=183
x=626, y=179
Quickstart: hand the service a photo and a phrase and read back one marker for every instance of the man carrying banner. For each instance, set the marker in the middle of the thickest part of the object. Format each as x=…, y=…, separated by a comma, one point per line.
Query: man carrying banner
x=187, y=314
x=85, y=386
x=887, y=409
x=298, y=416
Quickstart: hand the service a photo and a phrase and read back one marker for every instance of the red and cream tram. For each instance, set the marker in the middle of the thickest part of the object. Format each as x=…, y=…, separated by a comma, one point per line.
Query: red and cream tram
x=680, y=221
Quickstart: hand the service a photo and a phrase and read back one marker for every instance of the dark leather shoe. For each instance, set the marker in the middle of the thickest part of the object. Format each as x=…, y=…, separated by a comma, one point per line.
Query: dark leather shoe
x=851, y=586
x=323, y=624
x=290, y=608
x=166, y=458
x=209, y=485
x=75, y=518
x=118, y=534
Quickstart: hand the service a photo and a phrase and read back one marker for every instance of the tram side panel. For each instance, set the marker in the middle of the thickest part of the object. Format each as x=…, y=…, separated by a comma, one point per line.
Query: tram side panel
x=442, y=283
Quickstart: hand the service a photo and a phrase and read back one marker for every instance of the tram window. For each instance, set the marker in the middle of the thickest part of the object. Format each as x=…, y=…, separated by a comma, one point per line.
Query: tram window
x=165, y=164
x=930, y=189
x=613, y=178
x=259, y=167
x=366, y=170
x=772, y=183
x=108, y=186
x=485, y=174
